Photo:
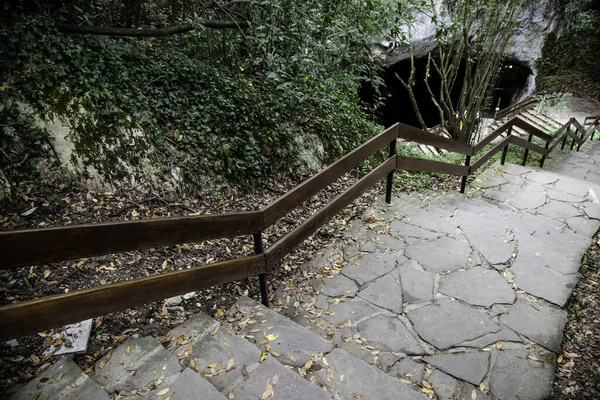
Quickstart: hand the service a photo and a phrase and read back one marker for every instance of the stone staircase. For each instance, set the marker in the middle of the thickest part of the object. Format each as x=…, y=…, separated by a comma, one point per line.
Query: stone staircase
x=258, y=355
x=439, y=295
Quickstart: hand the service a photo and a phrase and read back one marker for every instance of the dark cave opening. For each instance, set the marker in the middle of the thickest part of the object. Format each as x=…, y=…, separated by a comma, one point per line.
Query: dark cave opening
x=393, y=103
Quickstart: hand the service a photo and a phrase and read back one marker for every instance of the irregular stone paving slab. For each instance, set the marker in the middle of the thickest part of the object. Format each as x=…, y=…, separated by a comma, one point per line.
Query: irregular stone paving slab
x=504, y=335
x=338, y=286
x=219, y=348
x=443, y=385
x=440, y=255
x=562, y=196
x=408, y=369
x=471, y=367
x=533, y=250
x=63, y=380
x=370, y=267
x=492, y=241
x=190, y=385
x=477, y=286
x=515, y=377
x=384, y=292
x=433, y=219
x=446, y=323
x=573, y=186
x=558, y=209
x=353, y=310
x=346, y=376
x=389, y=243
x=402, y=229
x=543, y=282
x=284, y=384
x=193, y=329
x=592, y=210
x=470, y=392
x=135, y=365
x=583, y=225
x=388, y=333
x=542, y=177
x=293, y=343
x=540, y=322
x=417, y=285
x=527, y=200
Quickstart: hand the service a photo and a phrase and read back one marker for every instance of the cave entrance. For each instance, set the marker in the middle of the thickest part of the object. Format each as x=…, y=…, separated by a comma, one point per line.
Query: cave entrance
x=393, y=104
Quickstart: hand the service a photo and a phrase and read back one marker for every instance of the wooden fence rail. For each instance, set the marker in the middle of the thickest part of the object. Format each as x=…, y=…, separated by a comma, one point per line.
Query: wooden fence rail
x=39, y=246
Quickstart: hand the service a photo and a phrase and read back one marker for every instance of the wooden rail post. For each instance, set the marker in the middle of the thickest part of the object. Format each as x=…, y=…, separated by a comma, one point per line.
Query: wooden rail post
x=526, y=153
x=390, y=176
x=262, y=278
x=463, y=184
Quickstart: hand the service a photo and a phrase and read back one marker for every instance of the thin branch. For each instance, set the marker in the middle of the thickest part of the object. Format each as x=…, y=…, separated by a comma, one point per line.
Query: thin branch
x=152, y=32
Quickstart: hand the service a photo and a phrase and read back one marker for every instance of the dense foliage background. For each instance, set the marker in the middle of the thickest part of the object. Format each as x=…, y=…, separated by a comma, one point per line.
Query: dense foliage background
x=569, y=62
x=234, y=103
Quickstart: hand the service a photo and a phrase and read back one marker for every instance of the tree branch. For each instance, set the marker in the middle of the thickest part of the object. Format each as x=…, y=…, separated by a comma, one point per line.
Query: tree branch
x=152, y=32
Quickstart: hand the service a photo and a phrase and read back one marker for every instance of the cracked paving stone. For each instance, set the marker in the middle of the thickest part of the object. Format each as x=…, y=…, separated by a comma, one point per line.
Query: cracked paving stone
x=444, y=254
x=409, y=369
x=388, y=333
x=402, y=229
x=490, y=240
x=471, y=367
x=443, y=385
x=592, y=210
x=541, y=281
x=515, y=377
x=477, y=286
x=541, y=323
x=583, y=225
x=369, y=267
x=446, y=323
x=504, y=335
x=527, y=200
x=384, y=292
x=338, y=286
x=417, y=285
x=353, y=310
x=558, y=209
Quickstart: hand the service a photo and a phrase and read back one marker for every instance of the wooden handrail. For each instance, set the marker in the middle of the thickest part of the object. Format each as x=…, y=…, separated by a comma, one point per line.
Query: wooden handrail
x=40, y=246
x=36, y=315
x=35, y=246
x=328, y=175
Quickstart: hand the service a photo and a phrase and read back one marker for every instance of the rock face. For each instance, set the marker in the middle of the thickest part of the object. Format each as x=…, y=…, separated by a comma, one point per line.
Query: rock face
x=538, y=19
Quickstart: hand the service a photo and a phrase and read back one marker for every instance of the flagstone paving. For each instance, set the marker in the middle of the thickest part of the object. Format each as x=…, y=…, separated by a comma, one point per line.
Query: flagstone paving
x=463, y=296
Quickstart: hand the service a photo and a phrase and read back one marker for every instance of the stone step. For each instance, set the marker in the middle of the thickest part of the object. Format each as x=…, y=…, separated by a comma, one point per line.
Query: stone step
x=62, y=380
x=340, y=374
x=237, y=367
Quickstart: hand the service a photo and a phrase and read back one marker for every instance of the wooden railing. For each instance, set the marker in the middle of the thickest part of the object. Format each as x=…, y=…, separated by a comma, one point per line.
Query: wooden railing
x=38, y=246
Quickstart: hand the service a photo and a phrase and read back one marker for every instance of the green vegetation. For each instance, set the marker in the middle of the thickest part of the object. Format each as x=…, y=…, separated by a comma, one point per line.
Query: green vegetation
x=233, y=103
x=569, y=61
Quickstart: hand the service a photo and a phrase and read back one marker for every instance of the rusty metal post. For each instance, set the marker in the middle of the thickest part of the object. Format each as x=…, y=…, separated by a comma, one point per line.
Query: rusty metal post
x=262, y=278
x=390, y=176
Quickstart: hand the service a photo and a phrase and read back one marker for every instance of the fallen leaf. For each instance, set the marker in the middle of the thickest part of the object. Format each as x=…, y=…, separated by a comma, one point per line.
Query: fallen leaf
x=162, y=392
x=268, y=391
x=213, y=365
x=59, y=377
x=128, y=350
x=29, y=212
x=271, y=336
x=164, y=264
x=229, y=364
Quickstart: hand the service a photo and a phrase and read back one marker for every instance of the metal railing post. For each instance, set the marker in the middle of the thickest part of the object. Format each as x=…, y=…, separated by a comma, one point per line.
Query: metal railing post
x=505, y=151
x=262, y=278
x=573, y=139
x=463, y=184
x=562, y=146
x=544, y=156
x=526, y=154
x=390, y=176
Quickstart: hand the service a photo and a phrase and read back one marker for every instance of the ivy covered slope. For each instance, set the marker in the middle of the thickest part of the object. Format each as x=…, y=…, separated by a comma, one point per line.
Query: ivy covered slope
x=235, y=103
x=569, y=60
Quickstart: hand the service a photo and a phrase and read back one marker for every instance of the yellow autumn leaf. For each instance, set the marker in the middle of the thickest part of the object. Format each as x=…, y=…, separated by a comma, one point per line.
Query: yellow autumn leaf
x=213, y=365
x=325, y=362
x=229, y=363
x=308, y=364
x=164, y=264
x=263, y=356
x=59, y=377
x=162, y=392
x=128, y=350
x=560, y=358
x=482, y=387
x=271, y=336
